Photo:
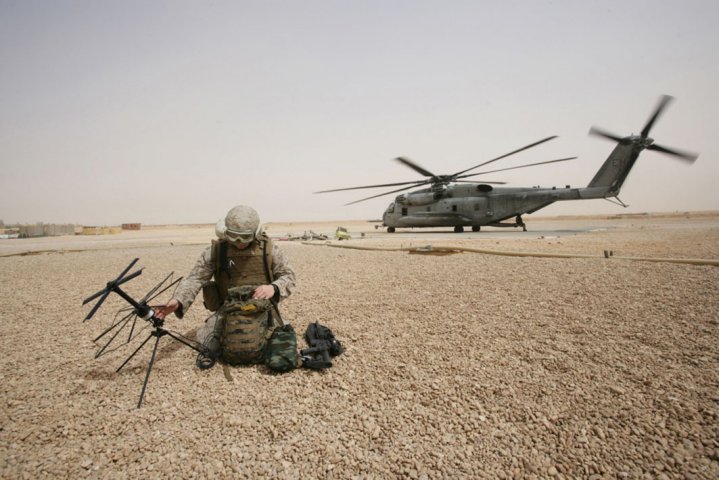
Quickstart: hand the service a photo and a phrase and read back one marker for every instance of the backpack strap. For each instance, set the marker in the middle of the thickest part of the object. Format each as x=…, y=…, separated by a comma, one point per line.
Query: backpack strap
x=267, y=261
x=267, y=258
x=218, y=254
x=222, y=259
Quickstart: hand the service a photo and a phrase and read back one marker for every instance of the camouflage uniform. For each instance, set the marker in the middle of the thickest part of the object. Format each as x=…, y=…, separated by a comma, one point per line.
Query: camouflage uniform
x=204, y=270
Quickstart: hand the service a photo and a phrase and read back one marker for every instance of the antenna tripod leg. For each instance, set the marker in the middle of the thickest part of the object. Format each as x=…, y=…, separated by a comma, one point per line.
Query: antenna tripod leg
x=149, y=367
x=184, y=342
x=133, y=353
x=158, y=333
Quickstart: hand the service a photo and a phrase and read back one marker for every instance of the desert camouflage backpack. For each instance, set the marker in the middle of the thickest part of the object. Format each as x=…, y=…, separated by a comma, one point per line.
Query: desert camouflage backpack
x=247, y=334
x=246, y=325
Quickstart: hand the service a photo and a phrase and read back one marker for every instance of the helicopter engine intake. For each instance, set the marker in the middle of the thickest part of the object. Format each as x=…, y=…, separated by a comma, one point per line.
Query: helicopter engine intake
x=420, y=198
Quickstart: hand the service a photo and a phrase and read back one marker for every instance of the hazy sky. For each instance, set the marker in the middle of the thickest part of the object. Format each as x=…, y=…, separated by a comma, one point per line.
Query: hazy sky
x=174, y=111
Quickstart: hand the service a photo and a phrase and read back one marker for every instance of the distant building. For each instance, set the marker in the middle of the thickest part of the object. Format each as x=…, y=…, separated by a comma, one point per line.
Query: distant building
x=131, y=226
x=92, y=230
x=45, y=230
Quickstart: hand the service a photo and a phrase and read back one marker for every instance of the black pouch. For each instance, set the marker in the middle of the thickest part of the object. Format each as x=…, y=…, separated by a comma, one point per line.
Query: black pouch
x=211, y=296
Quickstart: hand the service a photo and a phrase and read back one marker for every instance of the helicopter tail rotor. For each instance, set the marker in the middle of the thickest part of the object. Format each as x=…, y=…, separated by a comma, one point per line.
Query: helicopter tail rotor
x=643, y=141
x=679, y=154
x=603, y=133
x=663, y=102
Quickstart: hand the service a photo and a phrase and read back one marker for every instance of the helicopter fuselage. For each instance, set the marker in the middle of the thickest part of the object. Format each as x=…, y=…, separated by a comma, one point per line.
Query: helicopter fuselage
x=470, y=205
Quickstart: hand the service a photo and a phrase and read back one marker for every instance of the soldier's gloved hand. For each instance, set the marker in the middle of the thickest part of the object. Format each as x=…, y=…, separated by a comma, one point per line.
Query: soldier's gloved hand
x=264, y=292
x=164, y=310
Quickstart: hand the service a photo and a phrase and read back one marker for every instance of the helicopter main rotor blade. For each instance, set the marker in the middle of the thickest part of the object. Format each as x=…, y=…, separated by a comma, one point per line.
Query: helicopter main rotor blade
x=663, y=102
x=506, y=155
x=385, y=193
x=481, y=182
x=373, y=186
x=681, y=155
x=603, y=133
x=415, y=167
x=520, y=166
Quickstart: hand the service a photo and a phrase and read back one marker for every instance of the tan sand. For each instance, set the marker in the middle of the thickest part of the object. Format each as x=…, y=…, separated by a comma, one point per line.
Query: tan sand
x=458, y=366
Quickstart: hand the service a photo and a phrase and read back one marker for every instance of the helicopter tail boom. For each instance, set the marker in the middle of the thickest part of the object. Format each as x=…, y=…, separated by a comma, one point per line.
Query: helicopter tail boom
x=615, y=169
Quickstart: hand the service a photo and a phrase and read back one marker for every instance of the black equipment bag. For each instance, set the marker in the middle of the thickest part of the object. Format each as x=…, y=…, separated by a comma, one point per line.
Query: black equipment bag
x=322, y=345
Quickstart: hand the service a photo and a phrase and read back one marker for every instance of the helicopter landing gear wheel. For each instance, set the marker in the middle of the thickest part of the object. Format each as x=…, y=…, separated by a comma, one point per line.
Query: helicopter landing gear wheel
x=475, y=228
x=458, y=229
x=390, y=229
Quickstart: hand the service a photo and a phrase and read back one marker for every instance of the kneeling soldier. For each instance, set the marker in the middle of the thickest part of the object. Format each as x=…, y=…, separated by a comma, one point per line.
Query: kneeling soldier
x=243, y=275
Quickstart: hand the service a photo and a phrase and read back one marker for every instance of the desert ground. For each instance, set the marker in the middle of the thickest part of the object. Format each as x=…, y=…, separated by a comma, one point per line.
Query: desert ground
x=463, y=365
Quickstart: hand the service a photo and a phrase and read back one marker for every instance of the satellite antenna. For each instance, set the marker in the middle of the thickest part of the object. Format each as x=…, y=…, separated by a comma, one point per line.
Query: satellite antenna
x=137, y=309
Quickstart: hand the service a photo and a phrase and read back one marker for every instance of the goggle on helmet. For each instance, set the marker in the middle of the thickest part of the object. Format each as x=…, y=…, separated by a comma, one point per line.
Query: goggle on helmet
x=245, y=236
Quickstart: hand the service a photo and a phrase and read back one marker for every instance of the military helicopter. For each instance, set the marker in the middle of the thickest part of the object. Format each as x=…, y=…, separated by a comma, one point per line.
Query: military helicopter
x=452, y=201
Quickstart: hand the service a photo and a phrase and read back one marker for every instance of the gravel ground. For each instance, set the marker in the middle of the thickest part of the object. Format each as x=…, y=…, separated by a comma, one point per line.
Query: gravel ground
x=457, y=366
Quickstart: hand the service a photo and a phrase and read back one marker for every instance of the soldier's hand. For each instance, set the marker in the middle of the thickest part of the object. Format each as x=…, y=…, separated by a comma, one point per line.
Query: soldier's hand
x=264, y=292
x=164, y=310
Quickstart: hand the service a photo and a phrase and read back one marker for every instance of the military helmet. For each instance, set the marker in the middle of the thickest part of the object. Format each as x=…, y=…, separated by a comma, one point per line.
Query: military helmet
x=241, y=224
